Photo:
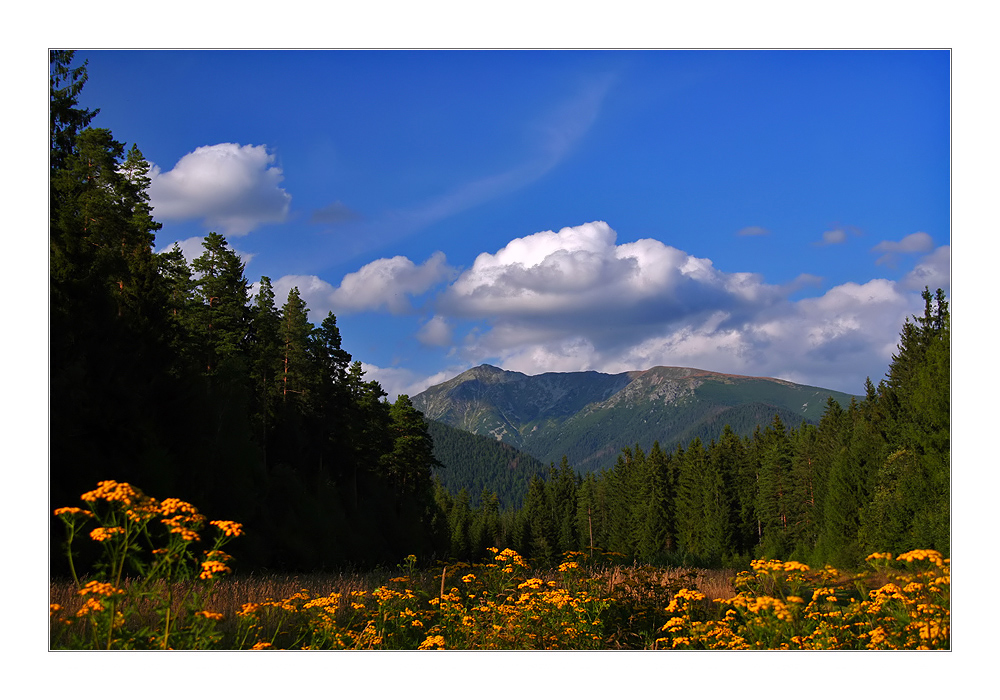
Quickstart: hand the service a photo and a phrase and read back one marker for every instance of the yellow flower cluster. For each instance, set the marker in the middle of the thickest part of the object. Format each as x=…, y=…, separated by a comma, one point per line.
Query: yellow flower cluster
x=433, y=642
x=928, y=555
x=113, y=491
x=211, y=568
x=100, y=534
x=779, y=567
x=185, y=526
x=74, y=512
x=97, y=588
x=209, y=615
x=228, y=527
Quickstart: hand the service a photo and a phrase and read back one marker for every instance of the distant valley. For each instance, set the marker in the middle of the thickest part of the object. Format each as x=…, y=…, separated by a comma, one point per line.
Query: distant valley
x=590, y=416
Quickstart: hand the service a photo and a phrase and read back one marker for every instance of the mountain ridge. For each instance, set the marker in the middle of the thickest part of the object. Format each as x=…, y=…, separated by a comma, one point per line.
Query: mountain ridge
x=589, y=416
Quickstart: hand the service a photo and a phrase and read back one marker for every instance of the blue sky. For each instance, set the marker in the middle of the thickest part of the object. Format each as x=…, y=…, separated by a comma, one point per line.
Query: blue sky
x=769, y=213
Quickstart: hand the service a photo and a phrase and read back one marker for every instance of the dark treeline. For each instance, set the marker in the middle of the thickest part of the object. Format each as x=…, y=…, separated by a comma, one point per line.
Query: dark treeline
x=173, y=378
x=871, y=476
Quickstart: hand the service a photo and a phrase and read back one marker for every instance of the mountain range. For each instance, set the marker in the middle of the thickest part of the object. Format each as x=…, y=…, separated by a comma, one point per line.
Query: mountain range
x=590, y=416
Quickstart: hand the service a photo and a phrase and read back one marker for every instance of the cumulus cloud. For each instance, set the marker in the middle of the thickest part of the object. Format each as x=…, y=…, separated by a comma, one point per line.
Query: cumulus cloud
x=577, y=300
x=389, y=282
x=437, y=331
x=580, y=276
x=919, y=242
x=230, y=187
x=384, y=284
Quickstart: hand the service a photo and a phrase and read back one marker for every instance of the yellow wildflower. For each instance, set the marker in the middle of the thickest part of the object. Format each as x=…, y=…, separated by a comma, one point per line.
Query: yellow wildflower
x=210, y=568
x=229, y=528
x=930, y=555
x=248, y=609
x=74, y=511
x=209, y=615
x=100, y=589
x=169, y=506
x=433, y=642
x=113, y=491
x=878, y=555
x=261, y=645
x=100, y=534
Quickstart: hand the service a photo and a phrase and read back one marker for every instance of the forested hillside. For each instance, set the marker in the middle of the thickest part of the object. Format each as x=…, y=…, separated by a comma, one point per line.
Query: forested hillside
x=173, y=378
x=482, y=464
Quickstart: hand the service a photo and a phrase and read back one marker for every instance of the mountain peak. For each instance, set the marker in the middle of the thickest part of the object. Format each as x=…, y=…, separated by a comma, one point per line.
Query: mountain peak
x=590, y=416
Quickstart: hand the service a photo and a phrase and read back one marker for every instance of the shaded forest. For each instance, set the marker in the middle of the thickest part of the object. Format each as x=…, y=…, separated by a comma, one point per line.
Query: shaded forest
x=170, y=376
x=175, y=378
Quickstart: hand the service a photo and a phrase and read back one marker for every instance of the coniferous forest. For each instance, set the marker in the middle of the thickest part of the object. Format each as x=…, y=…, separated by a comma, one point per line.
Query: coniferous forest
x=174, y=377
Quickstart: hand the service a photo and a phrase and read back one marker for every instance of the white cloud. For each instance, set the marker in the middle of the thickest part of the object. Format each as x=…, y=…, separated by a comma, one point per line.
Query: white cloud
x=437, y=331
x=932, y=271
x=388, y=283
x=919, y=242
x=231, y=187
x=576, y=300
x=579, y=276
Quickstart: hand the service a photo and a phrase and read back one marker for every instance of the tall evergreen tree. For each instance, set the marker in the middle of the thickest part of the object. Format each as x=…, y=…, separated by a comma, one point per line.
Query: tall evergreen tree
x=222, y=319
x=774, y=496
x=655, y=527
x=66, y=118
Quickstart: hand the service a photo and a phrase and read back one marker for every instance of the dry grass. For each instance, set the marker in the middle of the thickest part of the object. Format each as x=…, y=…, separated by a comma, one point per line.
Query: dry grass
x=641, y=592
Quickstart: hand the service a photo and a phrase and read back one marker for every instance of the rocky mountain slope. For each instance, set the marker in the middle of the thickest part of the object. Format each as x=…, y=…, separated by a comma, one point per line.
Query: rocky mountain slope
x=591, y=416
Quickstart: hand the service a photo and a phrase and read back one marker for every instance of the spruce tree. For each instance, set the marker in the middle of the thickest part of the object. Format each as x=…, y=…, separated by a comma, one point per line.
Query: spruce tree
x=222, y=321
x=656, y=535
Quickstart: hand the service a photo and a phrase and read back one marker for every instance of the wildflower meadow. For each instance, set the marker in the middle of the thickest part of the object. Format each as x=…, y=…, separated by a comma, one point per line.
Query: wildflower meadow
x=162, y=582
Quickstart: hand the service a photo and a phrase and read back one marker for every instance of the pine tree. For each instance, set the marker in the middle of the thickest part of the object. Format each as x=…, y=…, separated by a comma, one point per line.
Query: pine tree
x=222, y=319
x=265, y=363
x=66, y=118
x=692, y=465
x=539, y=525
x=656, y=534
x=407, y=466
x=717, y=519
x=774, y=496
x=562, y=489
